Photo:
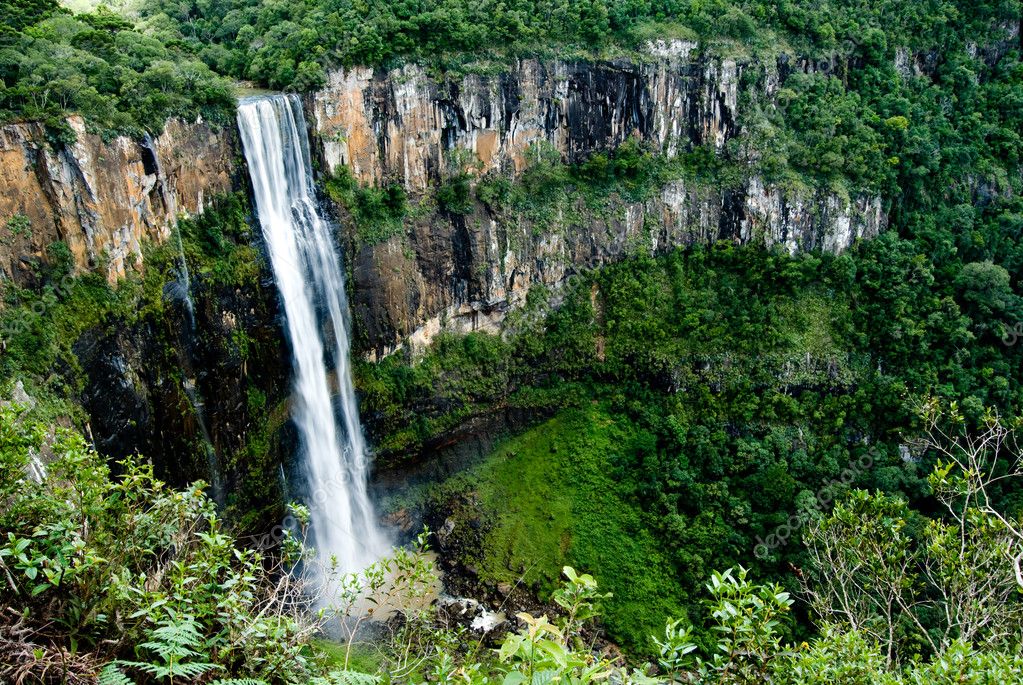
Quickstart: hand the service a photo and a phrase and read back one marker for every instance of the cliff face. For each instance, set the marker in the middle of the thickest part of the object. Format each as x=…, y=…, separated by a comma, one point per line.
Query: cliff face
x=463, y=272
x=103, y=198
x=192, y=391
x=404, y=125
x=444, y=271
x=149, y=384
x=202, y=374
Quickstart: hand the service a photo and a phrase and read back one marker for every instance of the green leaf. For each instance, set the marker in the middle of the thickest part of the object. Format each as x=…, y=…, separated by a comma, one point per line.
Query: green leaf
x=510, y=647
x=112, y=675
x=555, y=651
x=514, y=678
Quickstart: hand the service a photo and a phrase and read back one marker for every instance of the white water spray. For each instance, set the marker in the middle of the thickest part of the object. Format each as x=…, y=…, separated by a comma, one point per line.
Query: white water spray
x=307, y=269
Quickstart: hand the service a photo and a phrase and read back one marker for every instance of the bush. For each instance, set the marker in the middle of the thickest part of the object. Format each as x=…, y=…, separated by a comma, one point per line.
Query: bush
x=454, y=194
x=377, y=212
x=115, y=562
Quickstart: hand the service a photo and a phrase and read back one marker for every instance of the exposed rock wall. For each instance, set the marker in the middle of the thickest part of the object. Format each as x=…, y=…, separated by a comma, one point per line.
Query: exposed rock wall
x=104, y=198
x=463, y=272
x=164, y=384
x=194, y=384
x=406, y=126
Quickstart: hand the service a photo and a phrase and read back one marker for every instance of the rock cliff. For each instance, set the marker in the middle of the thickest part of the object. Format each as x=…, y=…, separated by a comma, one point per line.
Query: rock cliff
x=103, y=199
x=463, y=272
x=403, y=124
x=150, y=383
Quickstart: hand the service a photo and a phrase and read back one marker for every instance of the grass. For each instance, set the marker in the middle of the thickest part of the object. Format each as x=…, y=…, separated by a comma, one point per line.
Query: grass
x=364, y=657
x=553, y=501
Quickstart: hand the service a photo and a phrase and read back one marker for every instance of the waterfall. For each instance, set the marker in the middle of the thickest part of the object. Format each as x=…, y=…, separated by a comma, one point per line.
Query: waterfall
x=199, y=411
x=307, y=269
x=185, y=279
x=181, y=290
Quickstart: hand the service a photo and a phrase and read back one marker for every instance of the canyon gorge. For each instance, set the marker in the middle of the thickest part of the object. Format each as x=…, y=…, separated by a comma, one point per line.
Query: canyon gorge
x=510, y=341
x=106, y=198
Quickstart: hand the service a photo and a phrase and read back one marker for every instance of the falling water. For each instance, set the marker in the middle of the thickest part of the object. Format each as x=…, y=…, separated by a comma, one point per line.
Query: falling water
x=185, y=280
x=199, y=411
x=181, y=291
x=307, y=269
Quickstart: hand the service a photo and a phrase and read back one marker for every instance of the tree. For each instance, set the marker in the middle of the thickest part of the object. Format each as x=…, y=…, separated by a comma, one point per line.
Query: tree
x=977, y=465
x=958, y=580
x=986, y=292
x=864, y=572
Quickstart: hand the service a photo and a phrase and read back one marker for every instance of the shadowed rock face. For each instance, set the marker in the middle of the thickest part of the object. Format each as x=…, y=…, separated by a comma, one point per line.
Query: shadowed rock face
x=149, y=383
x=104, y=198
x=404, y=125
x=463, y=272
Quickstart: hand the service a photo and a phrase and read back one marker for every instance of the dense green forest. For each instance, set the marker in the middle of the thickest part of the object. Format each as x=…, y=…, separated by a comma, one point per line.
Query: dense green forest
x=288, y=44
x=744, y=381
x=124, y=577
x=121, y=80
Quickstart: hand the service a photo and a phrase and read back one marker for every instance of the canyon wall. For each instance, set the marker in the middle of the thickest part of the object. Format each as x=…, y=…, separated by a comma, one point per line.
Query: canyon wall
x=198, y=378
x=463, y=272
x=103, y=198
x=150, y=382
x=405, y=125
x=442, y=271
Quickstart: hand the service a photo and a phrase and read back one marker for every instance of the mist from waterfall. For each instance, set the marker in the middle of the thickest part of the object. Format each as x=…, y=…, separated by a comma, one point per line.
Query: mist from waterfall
x=307, y=269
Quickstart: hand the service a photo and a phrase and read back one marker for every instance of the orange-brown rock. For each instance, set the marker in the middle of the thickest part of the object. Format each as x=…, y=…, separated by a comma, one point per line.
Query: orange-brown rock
x=465, y=272
x=104, y=198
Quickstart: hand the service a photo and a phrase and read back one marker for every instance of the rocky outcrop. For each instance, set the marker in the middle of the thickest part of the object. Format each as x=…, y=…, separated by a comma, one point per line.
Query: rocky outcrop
x=403, y=125
x=463, y=272
x=198, y=384
x=103, y=199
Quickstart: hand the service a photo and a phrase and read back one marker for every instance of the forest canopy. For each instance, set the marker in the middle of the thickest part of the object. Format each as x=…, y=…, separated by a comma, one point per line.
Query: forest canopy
x=98, y=65
x=288, y=44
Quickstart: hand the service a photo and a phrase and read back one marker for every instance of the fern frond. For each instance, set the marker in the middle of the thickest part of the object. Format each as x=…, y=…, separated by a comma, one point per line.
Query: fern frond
x=112, y=675
x=193, y=670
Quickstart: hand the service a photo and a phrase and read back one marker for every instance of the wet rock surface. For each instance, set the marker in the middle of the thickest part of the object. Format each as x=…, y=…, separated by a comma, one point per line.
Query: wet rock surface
x=163, y=387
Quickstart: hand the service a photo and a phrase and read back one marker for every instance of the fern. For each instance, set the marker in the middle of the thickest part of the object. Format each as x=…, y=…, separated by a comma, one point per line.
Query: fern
x=238, y=681
x=174, y=645
x=112, y=675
